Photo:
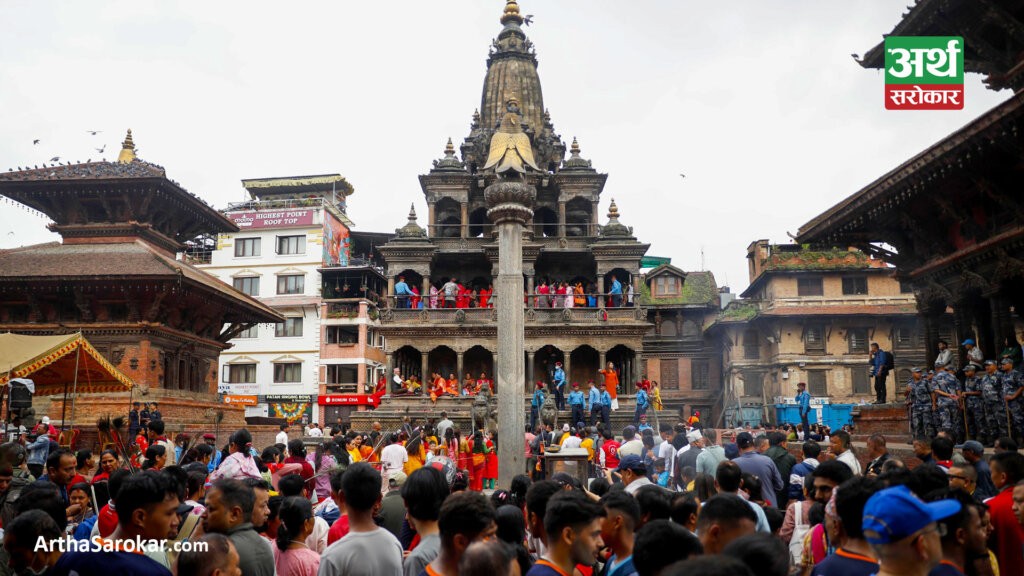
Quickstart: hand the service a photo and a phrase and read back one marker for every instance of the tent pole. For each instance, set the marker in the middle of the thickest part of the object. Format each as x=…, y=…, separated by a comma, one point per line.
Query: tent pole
x=74, y=391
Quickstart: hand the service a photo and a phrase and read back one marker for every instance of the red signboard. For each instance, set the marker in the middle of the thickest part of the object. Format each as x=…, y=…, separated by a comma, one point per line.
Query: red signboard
x=348, y=400
x=272, y=218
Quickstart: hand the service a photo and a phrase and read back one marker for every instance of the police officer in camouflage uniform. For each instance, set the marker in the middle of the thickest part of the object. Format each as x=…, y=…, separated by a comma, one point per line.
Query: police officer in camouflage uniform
x=1012, y=388
x=995, y=406
x=946, y=390
x=974, y=404
x=919, y=396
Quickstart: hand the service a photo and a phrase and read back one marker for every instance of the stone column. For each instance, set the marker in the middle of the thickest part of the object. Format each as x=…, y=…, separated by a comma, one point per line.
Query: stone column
x=431, y=225
x=388, y=300
x=424, y=374
x=529, y=371
x=530, y=301
x=636, y=289
x=464, y=229
x=600, y=295
x=458, y=365
x=602, y=362
x=593, y=218
x=568, y=375
x=638, y=367
x=425, y=292
x=561, y=219
x=1002, y=319
x=510, y=203
x=389, y=365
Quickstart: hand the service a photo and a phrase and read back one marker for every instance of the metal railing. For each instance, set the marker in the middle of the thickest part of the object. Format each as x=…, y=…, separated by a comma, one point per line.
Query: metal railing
x=280, y=203
x=534, y=301
x=532, y=315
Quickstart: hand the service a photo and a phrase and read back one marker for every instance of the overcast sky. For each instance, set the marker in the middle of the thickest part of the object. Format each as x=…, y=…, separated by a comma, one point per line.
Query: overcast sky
x=758, y=103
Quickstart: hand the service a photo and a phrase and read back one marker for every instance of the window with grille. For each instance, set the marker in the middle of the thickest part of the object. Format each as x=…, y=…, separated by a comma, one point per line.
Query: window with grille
x=669, y=374
x=242, y=374
x=247, y=247
x=291, y=244
x=858, y=340
x=753, y=384
x=292, y=284
x=903, y=337
x=816, y=383
x=861, y=380
x=288, y=372
x=809, y=286
x=249, y=285
x=855, y=285
x=751, y=345
x=814, y=340
x=701, y=375
x=290, y=327
x=252, y=332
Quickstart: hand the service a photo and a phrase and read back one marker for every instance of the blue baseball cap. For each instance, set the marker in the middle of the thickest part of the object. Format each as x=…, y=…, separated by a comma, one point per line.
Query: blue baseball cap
x=892, y=514
x=968, y=341
x=632, y=462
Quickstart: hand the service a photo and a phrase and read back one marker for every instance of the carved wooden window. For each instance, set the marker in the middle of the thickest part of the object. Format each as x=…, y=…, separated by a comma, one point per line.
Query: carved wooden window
x=860, y=380
x=291, y=244
x=751, y=345
x=289, y=328
x=701, y=375
x=904, y=337
x=291, y=284
x=814, y=339
x=690, y=330
x=245, y=247
x=670, y=374
x=668, y=326
x=857, y=338
x=855, y=285
x=249, y=285
x=241, y=374
x=288, y=372
x=817, y=383
x=809, y=286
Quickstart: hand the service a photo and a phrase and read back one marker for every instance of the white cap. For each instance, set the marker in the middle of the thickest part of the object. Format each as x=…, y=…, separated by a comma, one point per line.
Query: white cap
x=693, y=435
x=46, y=420
x=565, y=427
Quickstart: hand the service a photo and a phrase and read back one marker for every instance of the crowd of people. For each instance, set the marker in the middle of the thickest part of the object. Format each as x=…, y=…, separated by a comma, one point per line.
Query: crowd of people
x=547, y=294
x=423, y=500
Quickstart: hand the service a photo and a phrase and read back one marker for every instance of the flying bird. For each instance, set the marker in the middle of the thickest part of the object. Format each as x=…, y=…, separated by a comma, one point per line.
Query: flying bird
x=94, y=132
x=683, y=175
x=36, y=141
x=101, y=149
x=528, y=20
x=55, y=159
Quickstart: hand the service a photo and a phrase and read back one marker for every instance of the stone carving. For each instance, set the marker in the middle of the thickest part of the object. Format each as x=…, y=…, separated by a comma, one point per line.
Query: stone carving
x=548, y=412
x=460, y=316
x=641, y=314
x=480, y=412
x=117, y=354
x=563, y=243
x=388, y=315
x=566, y=315
x=531, y=315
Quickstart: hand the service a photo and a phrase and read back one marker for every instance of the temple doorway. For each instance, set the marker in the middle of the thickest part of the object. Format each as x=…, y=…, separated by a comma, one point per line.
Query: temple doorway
x=583, y=366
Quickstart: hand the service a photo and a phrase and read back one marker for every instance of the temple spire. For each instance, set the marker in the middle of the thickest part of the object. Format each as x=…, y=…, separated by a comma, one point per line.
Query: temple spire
x=127, y=154
x=511, y=13
x=575, y=149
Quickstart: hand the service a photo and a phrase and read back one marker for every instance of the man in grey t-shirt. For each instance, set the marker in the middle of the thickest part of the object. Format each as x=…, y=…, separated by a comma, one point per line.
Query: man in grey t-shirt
x=423, y=493
x=366, y=550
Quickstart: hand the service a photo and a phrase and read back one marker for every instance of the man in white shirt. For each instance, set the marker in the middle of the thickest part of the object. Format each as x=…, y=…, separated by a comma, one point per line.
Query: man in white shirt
x=316, y=431
x=393, y=456
x=666, y=450
x=630, y=443
x=282, y=436
x=572, y=441
x=443, y=426
x=841, y=447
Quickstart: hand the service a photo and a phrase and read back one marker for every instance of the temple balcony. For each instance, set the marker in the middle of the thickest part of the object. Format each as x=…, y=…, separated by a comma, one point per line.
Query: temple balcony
x=533, y=316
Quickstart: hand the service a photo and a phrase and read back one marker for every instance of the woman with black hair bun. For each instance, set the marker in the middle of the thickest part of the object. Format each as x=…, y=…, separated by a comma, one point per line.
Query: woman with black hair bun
x=238, y=464
x=291, y=555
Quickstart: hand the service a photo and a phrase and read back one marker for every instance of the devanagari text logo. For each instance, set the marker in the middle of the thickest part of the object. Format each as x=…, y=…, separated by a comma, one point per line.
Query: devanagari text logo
x=924, y=73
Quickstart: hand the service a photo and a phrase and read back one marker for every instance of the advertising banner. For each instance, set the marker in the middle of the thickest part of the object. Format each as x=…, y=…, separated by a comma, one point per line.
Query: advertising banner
x=272, y=218
x=348, y=400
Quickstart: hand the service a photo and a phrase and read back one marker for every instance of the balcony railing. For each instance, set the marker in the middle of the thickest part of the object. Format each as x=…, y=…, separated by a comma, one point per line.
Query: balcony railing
x=348, y=308
x=489, y=316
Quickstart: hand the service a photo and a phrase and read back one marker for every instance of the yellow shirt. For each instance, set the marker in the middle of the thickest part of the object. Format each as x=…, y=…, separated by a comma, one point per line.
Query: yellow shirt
x=354, y=456
x=588, y=445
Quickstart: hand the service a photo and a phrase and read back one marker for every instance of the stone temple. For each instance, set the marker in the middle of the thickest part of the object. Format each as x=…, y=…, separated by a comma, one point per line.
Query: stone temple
x=563, y=242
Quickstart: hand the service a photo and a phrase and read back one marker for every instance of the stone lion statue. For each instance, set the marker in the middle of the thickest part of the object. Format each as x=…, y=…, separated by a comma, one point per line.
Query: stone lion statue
x=548, y=412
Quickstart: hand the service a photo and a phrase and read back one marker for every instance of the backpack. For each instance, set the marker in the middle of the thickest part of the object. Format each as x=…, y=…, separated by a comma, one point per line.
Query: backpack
x=890, y=362
x=796, y=544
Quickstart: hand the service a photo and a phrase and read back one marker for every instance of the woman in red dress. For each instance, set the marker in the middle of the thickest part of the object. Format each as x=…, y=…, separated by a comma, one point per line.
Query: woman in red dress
x=414, y=301
x=491, y=464
x=462, y=297
x=485, y=296
x=479, y=455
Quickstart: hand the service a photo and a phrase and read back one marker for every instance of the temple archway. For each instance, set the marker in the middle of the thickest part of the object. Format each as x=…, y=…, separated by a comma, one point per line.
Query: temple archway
x=479, y=225
x=578, y=217
x=448, y=218
x=442, y=360
x=544, y=363
x=545, y=222
x=478, y=360
x=409, y=361
x=624, y=359
x=583, y=366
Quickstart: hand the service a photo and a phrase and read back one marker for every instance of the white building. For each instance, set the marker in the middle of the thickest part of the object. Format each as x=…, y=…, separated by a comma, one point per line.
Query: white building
x=289, y=229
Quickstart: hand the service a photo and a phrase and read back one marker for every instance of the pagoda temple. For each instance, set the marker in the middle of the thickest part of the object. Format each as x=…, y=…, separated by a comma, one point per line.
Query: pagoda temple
x=116, y=278
x=951, y=218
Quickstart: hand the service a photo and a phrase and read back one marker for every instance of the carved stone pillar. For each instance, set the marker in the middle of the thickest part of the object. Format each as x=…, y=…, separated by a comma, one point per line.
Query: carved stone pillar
x=568, y=376
x=459, y=356
x=561, y=219
x=529, y=371
x=425, y=292
x=388, y=300
x=636, y=289
x=424, y=369
x=464, y=228
x=638, y=367
x=530, y=300
x=593, y=218
x=600, y=295
x=510, y=203
x=431, y=224
x=602, y=362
